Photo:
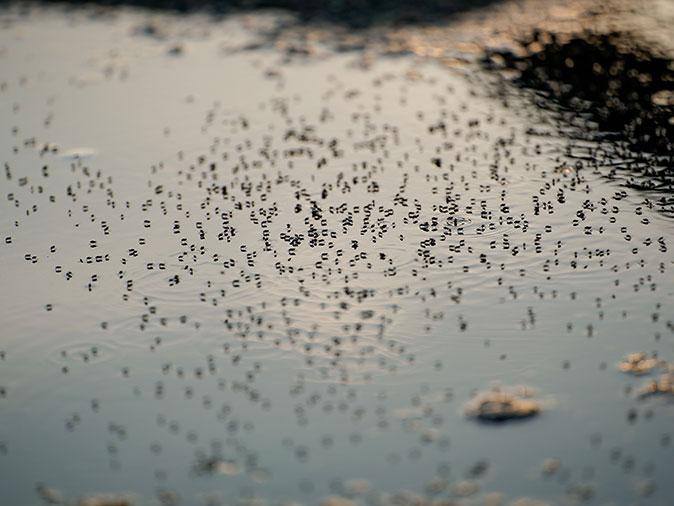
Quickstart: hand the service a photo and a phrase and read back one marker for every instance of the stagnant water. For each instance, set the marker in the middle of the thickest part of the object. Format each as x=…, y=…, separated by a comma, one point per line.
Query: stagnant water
x=229, y=278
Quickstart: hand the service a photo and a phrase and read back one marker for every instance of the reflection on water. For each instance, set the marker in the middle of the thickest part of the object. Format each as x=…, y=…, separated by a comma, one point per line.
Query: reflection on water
x=260, y=280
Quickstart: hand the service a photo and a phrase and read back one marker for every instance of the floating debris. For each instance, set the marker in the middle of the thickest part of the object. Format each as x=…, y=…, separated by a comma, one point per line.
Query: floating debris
x=335, y=500
x=106, y=500
x=49, y=495
x=497, y=405
x=582, y=492
x=645, y=487
x=216, y=465
x=527, y=501
x=78, y=153
x=663, y=385
x=640, y=363
x=228, y=468
x=358, y=487
x=465, y=488
x=176, y=50
x=551, y=466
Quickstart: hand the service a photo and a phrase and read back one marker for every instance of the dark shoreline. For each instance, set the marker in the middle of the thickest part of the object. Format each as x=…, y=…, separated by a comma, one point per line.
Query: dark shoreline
x=352, y=13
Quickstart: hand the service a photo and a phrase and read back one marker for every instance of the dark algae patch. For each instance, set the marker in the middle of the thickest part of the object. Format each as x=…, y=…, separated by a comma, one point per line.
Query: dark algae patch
x=615, y=87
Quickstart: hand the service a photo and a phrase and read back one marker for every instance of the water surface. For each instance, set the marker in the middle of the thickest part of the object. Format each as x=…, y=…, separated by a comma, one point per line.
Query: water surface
x=231, y=275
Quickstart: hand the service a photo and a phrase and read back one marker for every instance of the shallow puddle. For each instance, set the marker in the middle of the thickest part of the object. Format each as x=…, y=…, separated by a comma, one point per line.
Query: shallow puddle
x=233, y=277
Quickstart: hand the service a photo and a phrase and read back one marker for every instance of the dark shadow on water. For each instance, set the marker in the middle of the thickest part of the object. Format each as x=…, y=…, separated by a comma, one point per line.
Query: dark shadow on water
x=354, y=13
x=610, y=87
